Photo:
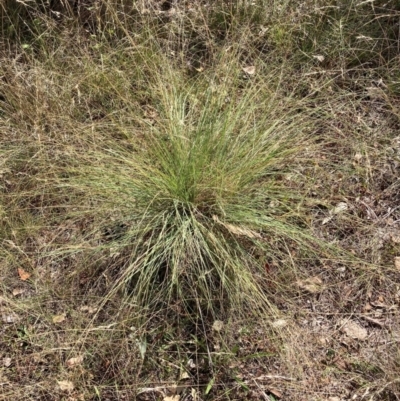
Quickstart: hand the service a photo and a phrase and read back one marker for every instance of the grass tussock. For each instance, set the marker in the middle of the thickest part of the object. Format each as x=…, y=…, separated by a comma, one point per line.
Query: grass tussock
x=203, y=194
x=199, y=199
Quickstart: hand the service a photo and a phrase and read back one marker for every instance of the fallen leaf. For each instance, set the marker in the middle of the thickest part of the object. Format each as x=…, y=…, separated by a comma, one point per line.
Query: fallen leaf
x=172, y=398
x=396, y=239
x=379, y=303
x=184, y=375
x=6, y=362
x=18, y=291
x=334, y=399
x=353, y=330
x=218, y=325
x=75, y=361
x=312, y=284
x=397, y=262
x=327, y=220
x=59, y=318
x=236, y=230
x=251, y=69
x=65, y=385
x=323, y=340
x=320, y=58
x=191, y=364
x=339, y=208
x=10, y=318
x=340, y=363
x=88, y=309
x=279, y=323
x=274, y=391
x=23, y=275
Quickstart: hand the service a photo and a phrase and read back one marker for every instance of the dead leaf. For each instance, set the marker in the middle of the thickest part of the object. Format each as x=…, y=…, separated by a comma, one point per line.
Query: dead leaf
x=184, y=375
x=236, y=230
x=88, y=309
x=275, y=392
x=59, y=318
x=340, y=363
x=65, y=385
x=397, y=262
x=396, y=239
x=320, y=58
x=172, y=398
x=313, y=285
x=75, y=361
x=339, y=208
x=190, y=364
x=279, y=323
x=6, y=362
x=23, y=275
x=18, y=291
x=379, y=303
x=251, y=69
x=218, y=325
x=10, y=318
x=323, y=340
x=353, y=330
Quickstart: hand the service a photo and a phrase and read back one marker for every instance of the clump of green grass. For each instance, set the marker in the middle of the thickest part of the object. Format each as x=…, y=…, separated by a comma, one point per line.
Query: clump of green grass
x=201, y=195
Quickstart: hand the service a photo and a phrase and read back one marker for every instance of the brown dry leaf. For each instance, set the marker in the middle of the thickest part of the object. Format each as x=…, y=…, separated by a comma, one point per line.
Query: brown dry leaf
x=353, y=330
x=397, y=262
x=23, y=275
x=18, y=291
x=340, y=363
x=314, y=285
x=65, y=385
x=59, y=318
x=172, y=398
x=75, y=361
x=275, y=392
x=251, y=69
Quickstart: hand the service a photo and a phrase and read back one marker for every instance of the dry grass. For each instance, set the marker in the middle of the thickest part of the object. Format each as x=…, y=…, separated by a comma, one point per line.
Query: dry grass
x=177, y=222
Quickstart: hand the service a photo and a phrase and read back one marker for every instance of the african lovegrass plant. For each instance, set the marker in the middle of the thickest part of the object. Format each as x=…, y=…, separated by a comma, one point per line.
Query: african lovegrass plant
x=200, y=194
